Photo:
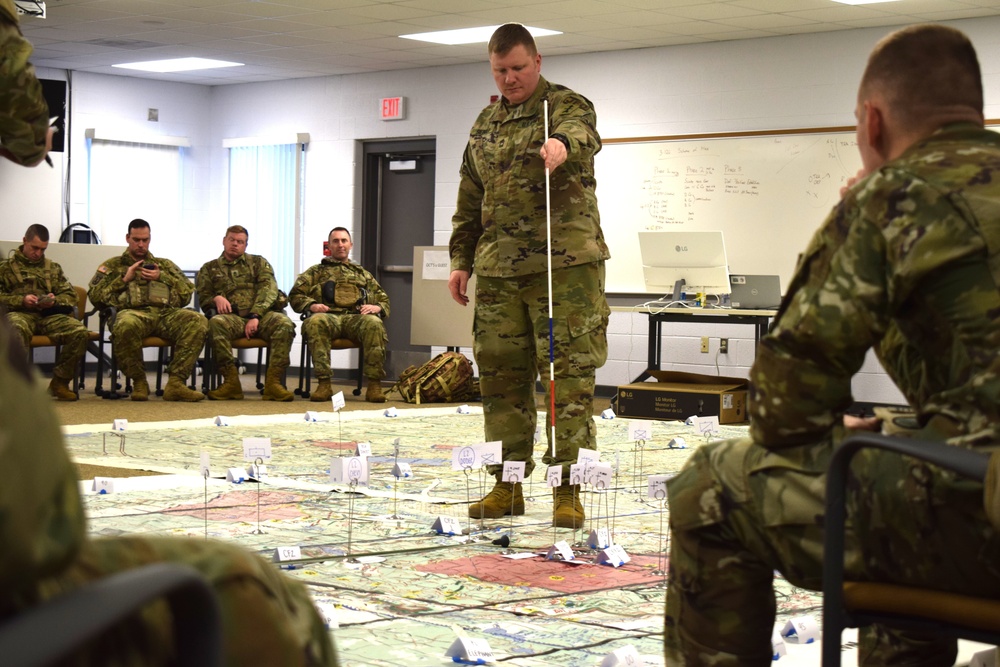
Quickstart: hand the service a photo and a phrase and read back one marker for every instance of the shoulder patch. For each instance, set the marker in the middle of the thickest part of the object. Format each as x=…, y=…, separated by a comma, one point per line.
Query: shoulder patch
x=102, y=268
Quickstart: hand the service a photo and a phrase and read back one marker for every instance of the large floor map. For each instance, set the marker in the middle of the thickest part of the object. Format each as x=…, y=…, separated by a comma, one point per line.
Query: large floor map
x=400, y=592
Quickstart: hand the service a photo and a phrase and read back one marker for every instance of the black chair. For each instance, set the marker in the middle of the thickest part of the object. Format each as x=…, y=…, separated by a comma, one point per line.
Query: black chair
x=305, y=361
x=58, y=627
x=107, y=321
x=860, y=603
x=210, y=379
x=79, y=312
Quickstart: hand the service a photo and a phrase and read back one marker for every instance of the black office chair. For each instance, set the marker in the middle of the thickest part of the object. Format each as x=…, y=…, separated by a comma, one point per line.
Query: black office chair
x=860, y=603
x=56, y=628
x=305, y=361
x=210, y=379
x=108, y=314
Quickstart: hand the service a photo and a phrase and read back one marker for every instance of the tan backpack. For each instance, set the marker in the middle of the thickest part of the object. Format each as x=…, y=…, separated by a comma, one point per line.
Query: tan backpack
x=447, y=378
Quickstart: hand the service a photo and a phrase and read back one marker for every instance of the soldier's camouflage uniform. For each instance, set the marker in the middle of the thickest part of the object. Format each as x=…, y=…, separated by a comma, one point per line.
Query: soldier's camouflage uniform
x=909, y=263
x=321, y=328
x=24, y=115
x=138, y=317
x=268, y=619
x=19, y=277
x=248, y=284
x=499, y=233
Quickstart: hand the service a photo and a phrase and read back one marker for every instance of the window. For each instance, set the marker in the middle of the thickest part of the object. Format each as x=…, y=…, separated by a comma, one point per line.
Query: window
x=265, y=196
x=130, y=179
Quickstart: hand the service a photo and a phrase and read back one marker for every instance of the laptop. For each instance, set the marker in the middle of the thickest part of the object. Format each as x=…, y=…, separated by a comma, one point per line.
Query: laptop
x=755, y=292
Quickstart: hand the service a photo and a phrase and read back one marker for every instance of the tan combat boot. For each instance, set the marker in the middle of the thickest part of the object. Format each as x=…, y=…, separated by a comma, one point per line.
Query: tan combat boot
x=140, y=389
x=273, y=389
x=324, y=391
x=504, y=499
x=374, y=393
x=567, y=512
x=231, y=389
x=59, y=388
x=176, y=390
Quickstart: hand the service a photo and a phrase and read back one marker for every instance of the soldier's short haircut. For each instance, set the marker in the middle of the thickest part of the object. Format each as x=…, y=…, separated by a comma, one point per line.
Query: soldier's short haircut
x=138, y=223
x=238, y=229
x=340, y=229
x=36, y=231
x=924, y=69
x=509, y=35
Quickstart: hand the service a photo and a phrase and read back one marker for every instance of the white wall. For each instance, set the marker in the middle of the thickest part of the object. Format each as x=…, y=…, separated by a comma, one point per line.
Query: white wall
x=786, y=82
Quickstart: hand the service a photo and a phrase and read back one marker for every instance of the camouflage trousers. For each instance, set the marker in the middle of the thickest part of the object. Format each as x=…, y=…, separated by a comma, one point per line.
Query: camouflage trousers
x=267, y=617
x=511, y=347
x=185, y=328
x=274, y=327
x=367, y=330
x=738, y=512
x=67, y=332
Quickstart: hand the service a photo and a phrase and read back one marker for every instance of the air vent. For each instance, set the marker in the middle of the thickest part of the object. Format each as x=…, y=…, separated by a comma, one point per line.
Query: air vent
x=131, y=44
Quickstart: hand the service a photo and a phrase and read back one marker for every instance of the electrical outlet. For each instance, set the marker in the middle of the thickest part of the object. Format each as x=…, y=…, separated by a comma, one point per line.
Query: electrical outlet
x=704, y=344
x=723, y=346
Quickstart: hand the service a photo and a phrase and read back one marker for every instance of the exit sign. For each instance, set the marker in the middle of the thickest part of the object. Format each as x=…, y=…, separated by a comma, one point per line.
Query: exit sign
x=393, y=108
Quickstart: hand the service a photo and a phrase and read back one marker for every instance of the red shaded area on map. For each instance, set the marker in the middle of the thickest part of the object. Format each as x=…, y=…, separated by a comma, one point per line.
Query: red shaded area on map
x=330, y=444
x=243, y=507
x=550, y=575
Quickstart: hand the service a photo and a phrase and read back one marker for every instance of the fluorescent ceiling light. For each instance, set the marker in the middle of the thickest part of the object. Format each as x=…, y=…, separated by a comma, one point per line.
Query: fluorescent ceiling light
x=178, y=65
x=470, y=35
x=863, y=2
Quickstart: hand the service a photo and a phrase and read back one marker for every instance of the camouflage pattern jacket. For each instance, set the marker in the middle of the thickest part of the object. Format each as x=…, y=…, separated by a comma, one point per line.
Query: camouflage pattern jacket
x=247, y=282
x=19, y=276
x=107, y=287
x=499, y=223
x=24, y=115
x=908, y=263
x=308, y=288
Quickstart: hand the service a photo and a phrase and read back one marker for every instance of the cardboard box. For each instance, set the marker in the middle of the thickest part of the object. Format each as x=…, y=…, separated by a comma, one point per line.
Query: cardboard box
x=678, y=396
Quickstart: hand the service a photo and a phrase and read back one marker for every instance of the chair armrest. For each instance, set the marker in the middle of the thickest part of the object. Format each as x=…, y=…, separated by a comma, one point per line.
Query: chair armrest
x=54, y=629
x=108, y=314
x=966, y=462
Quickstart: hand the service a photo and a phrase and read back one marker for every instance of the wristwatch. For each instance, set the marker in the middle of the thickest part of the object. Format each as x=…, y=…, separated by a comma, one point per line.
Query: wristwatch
x=253, y=316
x=562, y=138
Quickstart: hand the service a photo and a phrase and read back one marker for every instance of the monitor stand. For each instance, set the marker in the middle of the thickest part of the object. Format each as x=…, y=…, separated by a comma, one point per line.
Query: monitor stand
x=677, y=295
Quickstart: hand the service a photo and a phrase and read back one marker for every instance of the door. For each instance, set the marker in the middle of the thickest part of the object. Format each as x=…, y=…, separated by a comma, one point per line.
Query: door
x=397, y=214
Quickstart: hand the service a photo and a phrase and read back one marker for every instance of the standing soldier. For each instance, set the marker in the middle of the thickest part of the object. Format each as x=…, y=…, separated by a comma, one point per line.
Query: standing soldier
x=242, y=289
x=25, y=135
x=499, y=229
x=150, y=294
x=346, y=302
x=40, y=300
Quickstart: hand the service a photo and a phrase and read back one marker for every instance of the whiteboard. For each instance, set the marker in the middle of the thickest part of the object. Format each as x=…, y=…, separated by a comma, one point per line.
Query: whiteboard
x=766, y=193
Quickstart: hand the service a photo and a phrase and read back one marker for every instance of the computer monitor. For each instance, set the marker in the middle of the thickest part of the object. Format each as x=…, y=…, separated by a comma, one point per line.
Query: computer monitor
x=698, y=258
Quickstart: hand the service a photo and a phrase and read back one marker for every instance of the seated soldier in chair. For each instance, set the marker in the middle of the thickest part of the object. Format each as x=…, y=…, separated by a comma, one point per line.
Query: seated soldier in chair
x=345, y=301
x=242, y=290
x=150, y=294
x=40, y=300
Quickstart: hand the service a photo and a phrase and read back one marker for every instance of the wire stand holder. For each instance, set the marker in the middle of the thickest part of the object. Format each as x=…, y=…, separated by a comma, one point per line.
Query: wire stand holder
x=121, y=442
x=350, y=518
x=395, y=484
x=661, y=556
x=510, y=523
x=256, y=470
x=204, y=476
x=637, y=465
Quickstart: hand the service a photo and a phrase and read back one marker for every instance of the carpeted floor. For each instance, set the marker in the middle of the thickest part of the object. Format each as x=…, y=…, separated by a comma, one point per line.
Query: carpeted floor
x=92, y=409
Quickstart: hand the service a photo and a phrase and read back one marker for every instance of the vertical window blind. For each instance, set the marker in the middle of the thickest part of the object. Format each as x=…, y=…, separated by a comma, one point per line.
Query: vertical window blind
x=266, y=196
